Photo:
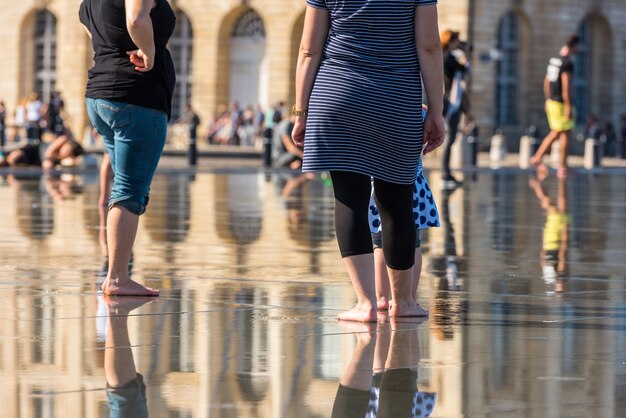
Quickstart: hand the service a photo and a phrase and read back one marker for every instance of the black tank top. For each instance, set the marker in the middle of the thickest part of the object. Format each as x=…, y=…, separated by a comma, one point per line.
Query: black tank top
x=113, y=76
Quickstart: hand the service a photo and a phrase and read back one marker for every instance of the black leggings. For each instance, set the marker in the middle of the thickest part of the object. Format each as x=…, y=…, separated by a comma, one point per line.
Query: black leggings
x=395, y=204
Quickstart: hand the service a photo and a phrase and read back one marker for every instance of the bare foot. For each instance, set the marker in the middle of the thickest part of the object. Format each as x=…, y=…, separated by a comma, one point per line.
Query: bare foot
x=542, y=172
x=382, y=303
x=360, y=313
x=129, y=288
x=534, y=161
x=412, y=310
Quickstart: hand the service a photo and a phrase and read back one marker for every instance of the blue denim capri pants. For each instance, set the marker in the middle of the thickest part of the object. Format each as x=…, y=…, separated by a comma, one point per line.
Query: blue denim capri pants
x=128, y=401
x=134, y=137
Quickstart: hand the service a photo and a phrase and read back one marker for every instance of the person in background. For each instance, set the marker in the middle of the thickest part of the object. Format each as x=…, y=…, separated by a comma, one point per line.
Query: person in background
x=19, y=119
x=555, y=243
x=54, y=114
x=621, y=148
x=33, y=117
x=455, y=66
x=236, y=119
x=284, y=152
x=610, y=146
x=192, y=120
x=3, y=116
x=558, y=86
x=62, y=150
x=259, y=120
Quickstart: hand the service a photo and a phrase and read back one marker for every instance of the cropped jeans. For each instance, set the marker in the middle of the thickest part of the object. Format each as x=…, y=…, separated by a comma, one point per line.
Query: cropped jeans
x=134, y=137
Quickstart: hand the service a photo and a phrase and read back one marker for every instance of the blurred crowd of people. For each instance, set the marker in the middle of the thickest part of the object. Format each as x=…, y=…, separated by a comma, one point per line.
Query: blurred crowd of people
x=40, y=132
x=255, y=126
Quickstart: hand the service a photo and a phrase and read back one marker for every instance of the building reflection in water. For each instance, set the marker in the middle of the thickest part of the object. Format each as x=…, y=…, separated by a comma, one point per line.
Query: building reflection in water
x=245, y=326
x=309, y=202
x=238, y=212
x=34, y=209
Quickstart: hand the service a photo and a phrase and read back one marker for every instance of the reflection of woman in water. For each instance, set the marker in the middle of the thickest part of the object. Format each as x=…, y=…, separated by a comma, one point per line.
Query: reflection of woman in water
x=392, y=353
x=126, y=390
x=555, y=232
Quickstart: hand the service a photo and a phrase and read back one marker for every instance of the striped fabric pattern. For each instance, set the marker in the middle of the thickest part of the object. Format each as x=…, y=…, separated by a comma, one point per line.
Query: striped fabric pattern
x=365, y=107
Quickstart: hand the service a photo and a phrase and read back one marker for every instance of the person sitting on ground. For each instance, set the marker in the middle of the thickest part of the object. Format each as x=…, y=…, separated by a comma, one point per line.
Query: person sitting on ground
x=27, y=155
x=285, y=152
x=63, y=150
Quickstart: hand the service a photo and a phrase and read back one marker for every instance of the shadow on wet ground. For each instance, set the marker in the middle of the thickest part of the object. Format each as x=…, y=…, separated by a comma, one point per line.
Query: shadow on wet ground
x=525, y=282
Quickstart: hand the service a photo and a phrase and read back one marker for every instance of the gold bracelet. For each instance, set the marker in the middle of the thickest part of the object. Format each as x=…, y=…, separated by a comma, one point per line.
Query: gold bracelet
x=297, y=112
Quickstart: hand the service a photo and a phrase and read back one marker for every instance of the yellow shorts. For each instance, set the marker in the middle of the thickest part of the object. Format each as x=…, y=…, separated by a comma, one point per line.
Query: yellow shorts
x=556, y=116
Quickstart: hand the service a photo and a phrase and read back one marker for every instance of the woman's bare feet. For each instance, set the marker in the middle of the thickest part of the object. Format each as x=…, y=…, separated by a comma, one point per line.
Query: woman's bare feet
x=128, y=288
x=363, y=312
x=407, y=310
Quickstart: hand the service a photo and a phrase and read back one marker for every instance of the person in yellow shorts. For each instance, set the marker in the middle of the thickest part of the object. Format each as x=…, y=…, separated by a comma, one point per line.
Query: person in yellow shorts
x=555, y=233
x=560, y=110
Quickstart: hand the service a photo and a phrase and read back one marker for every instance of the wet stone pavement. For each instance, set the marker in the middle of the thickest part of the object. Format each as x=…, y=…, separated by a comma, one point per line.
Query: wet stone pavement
x=525, y=282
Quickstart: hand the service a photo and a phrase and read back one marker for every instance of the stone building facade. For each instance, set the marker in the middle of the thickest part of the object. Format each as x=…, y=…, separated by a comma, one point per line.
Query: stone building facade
x=245, y=50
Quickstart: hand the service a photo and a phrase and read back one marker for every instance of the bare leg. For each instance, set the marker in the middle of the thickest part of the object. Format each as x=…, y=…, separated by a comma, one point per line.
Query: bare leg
x=536, y=160
x=121, y=233
x=381, y=279
x=119, y=365
x=417, y=273
x=404, y=349
x=383, y=336
x=361, y=271
x=358, y=373
x=563, y=153
x=545, y=146
x=404, y=304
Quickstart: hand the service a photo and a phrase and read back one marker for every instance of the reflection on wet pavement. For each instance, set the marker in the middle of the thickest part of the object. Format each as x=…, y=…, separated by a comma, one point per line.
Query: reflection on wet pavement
x=525, y=282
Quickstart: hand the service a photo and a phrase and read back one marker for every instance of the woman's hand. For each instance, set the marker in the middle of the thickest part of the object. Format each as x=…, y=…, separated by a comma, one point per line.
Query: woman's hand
x=142, y=61
x=297, y=134
x=434, y=132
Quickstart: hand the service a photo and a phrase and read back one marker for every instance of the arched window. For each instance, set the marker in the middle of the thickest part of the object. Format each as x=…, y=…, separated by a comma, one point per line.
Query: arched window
x=582, y=72
x=181, y=48
x=45, y=53
x=249, y=75
x=507, y=70
x=249, y=25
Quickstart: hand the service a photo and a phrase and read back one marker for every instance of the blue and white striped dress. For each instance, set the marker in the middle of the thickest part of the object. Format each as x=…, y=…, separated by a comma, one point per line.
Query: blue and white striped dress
x=366, y=104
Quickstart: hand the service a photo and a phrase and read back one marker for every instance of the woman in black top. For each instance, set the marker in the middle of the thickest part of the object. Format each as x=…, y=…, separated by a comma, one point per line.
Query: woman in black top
x=129, y=95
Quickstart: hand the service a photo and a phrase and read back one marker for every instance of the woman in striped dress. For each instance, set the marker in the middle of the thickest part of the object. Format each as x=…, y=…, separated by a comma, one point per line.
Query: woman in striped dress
x=358, y=115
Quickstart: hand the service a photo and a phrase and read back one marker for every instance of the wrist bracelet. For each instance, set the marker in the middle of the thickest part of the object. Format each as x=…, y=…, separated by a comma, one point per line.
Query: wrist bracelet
x=297, y=112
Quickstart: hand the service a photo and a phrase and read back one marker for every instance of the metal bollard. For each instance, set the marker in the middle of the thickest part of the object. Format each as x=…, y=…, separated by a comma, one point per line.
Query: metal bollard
x=593, y=153
x=529, y=144
x=472, y=145
x=498, y=151
x=267, y=151
x=193, y=151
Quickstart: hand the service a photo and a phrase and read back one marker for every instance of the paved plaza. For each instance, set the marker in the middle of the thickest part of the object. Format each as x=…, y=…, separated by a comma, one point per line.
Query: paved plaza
x=525, y=283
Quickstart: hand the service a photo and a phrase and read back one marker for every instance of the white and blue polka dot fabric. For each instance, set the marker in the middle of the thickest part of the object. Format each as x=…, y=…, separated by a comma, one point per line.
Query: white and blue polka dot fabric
x=425, y=210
